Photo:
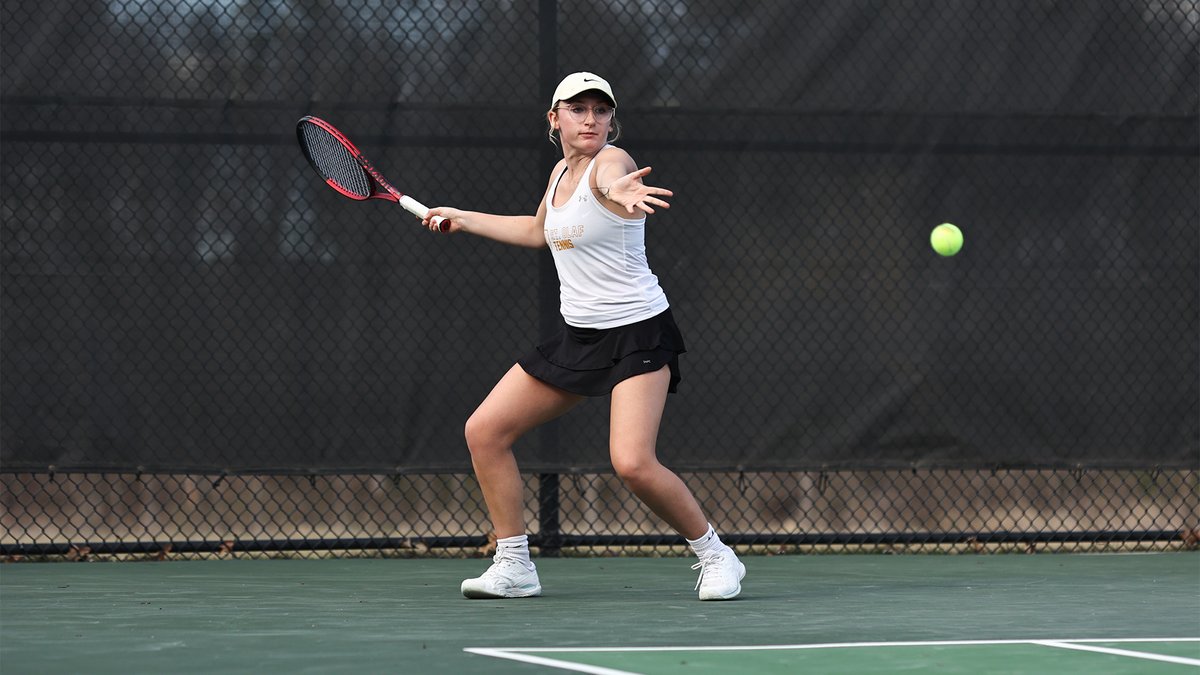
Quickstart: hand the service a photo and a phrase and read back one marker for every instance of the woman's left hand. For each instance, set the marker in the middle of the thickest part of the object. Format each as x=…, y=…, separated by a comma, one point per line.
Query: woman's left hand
x=629, y=191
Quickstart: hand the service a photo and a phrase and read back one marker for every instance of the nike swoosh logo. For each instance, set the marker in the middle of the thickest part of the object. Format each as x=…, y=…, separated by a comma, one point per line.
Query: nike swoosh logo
x=587, y=80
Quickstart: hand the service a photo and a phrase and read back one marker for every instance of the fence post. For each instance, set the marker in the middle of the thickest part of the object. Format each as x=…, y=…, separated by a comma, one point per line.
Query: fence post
x=549, y=537
x=548, y=495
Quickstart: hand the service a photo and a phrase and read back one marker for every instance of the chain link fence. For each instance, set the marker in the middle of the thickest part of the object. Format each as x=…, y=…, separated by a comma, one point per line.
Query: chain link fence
x=82, y=515
x=205, y=351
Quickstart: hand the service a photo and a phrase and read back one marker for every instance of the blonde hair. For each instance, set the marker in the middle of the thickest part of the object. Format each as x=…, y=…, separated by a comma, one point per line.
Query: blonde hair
x=614, y=129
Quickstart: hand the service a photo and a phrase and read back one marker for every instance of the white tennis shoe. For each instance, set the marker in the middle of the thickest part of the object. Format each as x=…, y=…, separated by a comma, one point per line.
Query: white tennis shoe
x=508, y=577
x=721, y=575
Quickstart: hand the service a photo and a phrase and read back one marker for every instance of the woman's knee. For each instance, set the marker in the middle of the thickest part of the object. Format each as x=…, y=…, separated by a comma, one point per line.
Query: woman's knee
x=483, y=435
x=635, y=468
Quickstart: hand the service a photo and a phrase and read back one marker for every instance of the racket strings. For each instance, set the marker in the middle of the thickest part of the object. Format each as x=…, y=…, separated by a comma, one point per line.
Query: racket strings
x=334, y=161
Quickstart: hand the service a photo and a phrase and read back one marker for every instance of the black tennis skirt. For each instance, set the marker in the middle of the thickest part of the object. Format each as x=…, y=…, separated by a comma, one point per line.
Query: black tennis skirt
x=591, y=361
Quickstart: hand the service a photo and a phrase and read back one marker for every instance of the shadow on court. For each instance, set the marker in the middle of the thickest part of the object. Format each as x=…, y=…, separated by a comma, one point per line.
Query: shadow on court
x=375, y=615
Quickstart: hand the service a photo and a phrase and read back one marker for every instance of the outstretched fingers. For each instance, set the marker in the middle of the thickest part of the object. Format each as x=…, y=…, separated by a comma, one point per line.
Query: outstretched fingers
x=634, y=195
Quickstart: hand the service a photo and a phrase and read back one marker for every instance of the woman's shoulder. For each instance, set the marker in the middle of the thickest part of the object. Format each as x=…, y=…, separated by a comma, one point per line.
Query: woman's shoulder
x=559, y=167
x=611, y=154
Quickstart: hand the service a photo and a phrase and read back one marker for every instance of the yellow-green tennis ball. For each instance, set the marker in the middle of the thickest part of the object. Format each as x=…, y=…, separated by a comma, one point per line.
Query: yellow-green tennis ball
x=946, y=239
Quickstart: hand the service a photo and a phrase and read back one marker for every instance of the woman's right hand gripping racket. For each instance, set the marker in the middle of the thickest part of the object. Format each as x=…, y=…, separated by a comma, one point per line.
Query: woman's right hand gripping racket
x=346, y=170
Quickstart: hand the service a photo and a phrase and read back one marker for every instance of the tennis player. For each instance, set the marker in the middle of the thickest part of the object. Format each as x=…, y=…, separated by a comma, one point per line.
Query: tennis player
x=618, y=338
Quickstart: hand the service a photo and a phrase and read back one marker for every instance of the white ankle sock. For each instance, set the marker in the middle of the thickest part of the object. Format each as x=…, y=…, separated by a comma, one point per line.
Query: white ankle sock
x=709, y=542
x=516, y=547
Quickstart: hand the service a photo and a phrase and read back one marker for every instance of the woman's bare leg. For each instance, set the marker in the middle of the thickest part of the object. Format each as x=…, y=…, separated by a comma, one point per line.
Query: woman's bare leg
x=519, y=402
x=637, y=408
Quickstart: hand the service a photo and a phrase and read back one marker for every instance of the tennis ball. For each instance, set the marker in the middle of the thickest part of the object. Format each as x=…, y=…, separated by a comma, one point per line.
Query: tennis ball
x=946, y=239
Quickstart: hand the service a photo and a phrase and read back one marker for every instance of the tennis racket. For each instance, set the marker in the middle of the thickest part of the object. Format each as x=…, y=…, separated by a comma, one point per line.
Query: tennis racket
x=346, y=170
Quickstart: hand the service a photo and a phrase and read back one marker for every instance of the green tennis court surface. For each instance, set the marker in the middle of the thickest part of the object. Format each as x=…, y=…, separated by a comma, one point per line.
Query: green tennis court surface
x=831, y=614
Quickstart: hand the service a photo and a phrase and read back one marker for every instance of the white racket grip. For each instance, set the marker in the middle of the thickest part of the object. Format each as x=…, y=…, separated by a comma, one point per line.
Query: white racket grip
x=419, y=210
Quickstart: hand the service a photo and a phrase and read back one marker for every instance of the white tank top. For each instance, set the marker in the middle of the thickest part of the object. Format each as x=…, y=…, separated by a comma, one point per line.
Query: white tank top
x=604, y=278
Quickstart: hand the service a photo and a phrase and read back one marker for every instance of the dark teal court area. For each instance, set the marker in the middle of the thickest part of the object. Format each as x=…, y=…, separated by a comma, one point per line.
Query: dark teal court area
x=825, y=613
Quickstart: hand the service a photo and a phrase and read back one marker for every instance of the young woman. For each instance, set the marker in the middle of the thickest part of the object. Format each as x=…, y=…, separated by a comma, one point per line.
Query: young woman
x=618, y=338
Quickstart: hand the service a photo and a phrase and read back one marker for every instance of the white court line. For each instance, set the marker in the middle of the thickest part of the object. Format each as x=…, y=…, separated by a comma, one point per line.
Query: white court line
x=1119, y=652
x=827, y=645
x=542, y=661
x=526, y=654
